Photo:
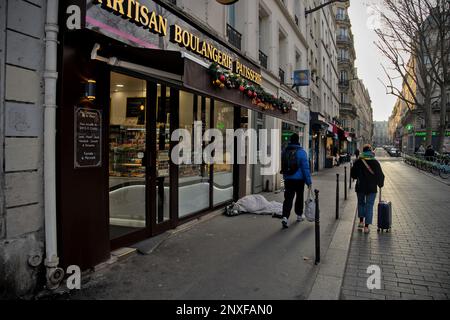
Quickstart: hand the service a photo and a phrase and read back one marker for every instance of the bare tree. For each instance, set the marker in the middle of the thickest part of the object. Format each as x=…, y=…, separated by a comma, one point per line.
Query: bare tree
x=405, y=40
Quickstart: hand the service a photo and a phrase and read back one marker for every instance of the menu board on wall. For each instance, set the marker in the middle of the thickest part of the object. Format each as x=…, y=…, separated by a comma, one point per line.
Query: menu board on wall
x=88, y=138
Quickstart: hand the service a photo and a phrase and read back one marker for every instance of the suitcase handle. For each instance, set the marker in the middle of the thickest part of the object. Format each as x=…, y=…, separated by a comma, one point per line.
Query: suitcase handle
x=380, y=195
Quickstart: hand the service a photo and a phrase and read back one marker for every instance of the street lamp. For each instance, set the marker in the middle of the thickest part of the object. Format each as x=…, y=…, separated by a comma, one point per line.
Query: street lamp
x=322, y=5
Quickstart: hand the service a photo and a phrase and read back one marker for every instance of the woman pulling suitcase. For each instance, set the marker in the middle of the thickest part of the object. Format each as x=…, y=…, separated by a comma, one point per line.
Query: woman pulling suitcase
x=367, y=171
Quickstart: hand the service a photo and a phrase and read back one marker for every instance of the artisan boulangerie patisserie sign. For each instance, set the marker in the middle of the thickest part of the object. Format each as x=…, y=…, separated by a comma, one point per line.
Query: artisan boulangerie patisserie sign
x=147, y=24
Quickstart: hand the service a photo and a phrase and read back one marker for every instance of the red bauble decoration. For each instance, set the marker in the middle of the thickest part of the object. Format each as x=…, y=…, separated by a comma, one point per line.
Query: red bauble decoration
x=255, y=94
x=241, y=88
x=250, y=93
x=222, y=78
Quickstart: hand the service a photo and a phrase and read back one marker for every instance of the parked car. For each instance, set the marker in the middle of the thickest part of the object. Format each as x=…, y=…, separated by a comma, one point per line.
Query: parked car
x=394, y=152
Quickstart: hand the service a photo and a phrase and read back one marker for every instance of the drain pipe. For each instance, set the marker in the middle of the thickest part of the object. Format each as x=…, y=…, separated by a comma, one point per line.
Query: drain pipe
x=54, y=274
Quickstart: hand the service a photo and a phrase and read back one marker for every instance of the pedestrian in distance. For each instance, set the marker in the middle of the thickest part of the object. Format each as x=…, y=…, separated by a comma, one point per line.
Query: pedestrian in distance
x=430, y=153
x=296, y=173
x=368, y=175
x=336, y=156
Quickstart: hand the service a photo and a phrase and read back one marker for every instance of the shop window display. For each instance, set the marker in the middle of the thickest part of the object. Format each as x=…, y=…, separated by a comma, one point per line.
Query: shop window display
x=223, y=173
x=126, y=154
x=194, y=179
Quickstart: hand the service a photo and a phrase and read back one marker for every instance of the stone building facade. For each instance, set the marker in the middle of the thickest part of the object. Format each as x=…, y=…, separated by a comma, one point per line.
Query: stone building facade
x=22, y=50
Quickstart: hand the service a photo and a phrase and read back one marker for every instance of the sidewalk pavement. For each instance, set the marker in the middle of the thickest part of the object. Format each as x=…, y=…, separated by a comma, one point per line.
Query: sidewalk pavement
x=243, y=257
x=415, y=256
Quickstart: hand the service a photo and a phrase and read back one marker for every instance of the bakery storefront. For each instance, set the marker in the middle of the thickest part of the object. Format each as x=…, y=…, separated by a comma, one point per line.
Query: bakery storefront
x=129, y=78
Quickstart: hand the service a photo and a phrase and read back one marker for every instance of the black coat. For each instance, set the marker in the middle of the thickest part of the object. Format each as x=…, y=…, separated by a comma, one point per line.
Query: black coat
x=367, y=182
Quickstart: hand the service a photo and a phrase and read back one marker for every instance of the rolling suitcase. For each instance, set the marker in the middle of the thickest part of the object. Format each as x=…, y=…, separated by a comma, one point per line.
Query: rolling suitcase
x=384, y=215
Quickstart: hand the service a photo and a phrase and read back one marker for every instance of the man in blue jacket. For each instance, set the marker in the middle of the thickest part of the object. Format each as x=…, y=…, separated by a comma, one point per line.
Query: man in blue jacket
x=295, y=170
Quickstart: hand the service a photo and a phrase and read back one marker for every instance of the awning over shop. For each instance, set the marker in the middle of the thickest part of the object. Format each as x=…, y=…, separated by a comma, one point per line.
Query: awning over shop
x=175, y=67
x=318, y=122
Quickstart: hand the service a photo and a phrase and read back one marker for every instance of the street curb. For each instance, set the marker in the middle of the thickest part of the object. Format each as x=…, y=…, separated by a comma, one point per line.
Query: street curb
x=328, y=283
x=435, y=178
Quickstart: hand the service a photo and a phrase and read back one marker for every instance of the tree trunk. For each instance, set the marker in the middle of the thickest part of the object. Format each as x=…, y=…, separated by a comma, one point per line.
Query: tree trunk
x=443, y=119
x=428, y=121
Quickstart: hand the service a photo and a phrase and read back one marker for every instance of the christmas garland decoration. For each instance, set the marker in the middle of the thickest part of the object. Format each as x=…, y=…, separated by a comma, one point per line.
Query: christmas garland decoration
x=225, y=78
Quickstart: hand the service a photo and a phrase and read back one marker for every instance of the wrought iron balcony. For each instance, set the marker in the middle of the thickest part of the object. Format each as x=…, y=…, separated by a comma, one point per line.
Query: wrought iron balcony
x=234, y=37
x=344, y=83
x=263, y=59
x=342, y=18
x=348, y=108
x=343, y=39
x=281, y=75
x=343, y=60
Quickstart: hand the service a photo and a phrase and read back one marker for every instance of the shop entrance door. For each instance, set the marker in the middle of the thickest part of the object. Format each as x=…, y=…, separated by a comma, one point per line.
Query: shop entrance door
x=128, y=123
x=140, y=170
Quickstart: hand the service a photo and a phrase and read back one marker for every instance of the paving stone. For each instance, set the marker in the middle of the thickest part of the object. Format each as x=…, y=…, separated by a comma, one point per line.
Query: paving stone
x=415, y=257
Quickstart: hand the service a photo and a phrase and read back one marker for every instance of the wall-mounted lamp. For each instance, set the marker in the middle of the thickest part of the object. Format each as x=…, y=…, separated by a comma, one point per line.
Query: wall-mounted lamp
x=227, y=2
x=89, y=90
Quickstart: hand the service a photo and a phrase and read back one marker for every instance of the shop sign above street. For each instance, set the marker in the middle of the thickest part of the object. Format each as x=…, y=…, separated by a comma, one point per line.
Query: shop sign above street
x=137, y=13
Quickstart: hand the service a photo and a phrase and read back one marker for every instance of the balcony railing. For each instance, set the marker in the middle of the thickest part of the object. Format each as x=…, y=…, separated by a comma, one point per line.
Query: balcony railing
x=343, y=38
x=343, y=60
x=296, y=20
x=342, y=18
x=348, y=107
x=263, y=59
x=234, y=37
x=281, y=75
x=344, y=83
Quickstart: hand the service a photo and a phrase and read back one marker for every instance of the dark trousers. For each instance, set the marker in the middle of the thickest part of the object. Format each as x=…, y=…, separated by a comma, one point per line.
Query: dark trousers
x=293, y=187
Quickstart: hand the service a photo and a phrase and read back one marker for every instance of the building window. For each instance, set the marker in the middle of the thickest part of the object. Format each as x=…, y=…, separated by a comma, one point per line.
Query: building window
x=264, y=32
x=234, y=37
x=341, y=14
x=343, y=76
x=232, y=15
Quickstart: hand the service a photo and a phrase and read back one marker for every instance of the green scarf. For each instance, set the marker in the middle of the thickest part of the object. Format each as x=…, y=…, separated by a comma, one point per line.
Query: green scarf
x=367, y=155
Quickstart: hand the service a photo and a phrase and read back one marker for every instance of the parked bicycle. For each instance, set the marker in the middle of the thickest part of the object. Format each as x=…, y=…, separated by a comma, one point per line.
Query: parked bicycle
x=439, y=165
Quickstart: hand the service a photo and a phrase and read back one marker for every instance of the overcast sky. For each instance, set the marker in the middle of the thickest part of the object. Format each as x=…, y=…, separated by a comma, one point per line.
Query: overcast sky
x=369, y=58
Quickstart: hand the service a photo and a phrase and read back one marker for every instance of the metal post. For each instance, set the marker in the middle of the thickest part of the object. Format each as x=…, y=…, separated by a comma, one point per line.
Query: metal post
x=350, y=176
x=345, y=183
x=337, y=196
x=317, y=225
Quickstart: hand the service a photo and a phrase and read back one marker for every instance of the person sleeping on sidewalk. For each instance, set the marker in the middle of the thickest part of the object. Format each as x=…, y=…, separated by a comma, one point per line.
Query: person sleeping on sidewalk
x=369, y=175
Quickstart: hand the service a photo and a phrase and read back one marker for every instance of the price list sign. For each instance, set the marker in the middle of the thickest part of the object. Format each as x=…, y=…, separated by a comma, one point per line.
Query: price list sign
x=88, y=138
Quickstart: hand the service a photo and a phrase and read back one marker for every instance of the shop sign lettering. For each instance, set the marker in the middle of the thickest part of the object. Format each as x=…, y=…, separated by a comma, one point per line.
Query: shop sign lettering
x=140, y=14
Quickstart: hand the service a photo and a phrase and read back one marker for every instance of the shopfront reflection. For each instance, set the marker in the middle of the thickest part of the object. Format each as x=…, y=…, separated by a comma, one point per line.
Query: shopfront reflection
x=127, y=172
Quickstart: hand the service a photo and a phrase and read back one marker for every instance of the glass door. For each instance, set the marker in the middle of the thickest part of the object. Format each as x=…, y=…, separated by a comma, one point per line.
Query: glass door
x=163, y=164
x=127, y=155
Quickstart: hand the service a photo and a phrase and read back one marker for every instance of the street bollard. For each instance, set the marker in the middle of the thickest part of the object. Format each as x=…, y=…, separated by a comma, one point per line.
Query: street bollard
x=345, y=183
x=317, y=222
x=350, y=176
x=337, y=196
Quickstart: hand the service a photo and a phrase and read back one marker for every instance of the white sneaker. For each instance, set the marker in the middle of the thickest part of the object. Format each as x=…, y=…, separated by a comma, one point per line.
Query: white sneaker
x=300, y=219
x=284, y=223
